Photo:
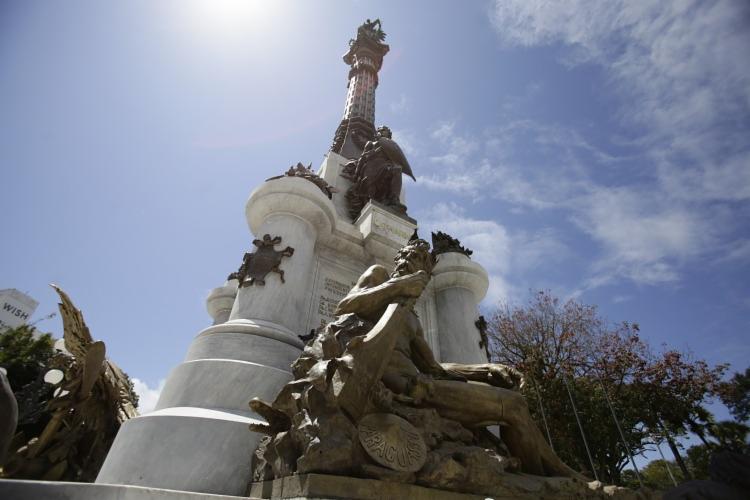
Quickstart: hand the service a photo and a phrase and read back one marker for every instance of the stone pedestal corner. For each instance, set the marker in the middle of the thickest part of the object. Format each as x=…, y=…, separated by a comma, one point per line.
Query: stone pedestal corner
x=384, y=232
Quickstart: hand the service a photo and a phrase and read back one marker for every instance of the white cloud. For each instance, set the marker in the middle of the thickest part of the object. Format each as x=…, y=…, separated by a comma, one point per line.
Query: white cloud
x=619, y=299
x=457, y=147
x=400, y=107
x=147, y=396
x=654, y=207
x=488, y=239
x=644, y=233
x=676, y=64
x=492, y=169
x=643, y=239
x=407, y=140
x=736, y=251
x=503, y=254
x=675, y=67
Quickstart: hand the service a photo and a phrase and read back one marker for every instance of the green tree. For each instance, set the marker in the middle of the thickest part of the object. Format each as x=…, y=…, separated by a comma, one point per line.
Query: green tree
x=656, y=474
x=25, y=355
x=735, y=394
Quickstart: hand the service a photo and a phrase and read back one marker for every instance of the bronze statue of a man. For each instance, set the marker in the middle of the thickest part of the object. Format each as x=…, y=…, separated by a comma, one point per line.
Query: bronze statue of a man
x=376, y=174
x=372, y=363
x=413, y=372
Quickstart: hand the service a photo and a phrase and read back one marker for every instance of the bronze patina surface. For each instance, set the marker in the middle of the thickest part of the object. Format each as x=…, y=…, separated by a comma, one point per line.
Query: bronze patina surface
x=392, y=442
x=369, y=372
x=255, y=266
x=89, y=404
x=444, y=243
x=377, y=174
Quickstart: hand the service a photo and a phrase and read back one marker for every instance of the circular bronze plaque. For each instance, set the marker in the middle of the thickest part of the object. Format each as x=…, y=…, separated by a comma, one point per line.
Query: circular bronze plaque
x=392, y=442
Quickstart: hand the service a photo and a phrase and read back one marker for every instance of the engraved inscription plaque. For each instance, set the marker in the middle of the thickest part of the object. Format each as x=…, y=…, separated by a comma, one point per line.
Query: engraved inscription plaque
x=392, y=442
x=331, y=287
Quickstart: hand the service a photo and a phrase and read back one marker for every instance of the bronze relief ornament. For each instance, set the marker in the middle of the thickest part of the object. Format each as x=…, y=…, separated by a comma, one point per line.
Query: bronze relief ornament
x=256, y=266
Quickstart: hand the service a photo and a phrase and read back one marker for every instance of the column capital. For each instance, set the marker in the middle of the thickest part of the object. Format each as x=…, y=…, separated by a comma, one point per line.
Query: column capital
x=220, y=301
x=295, y=196
x=455, y=269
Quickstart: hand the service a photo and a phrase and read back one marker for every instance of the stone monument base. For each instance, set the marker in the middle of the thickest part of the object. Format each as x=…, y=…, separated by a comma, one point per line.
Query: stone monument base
x=519, y=487
x=324, y=487
x=329, y=487
x=12, y=489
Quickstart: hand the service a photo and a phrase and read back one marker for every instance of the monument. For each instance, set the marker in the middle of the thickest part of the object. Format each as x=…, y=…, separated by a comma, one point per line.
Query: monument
x=365, y=381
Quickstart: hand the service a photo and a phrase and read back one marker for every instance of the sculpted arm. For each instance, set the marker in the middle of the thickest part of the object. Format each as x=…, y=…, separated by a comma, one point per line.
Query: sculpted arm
x=425, y=361
x=495, y=374
x=423, y=357
x=372, y=293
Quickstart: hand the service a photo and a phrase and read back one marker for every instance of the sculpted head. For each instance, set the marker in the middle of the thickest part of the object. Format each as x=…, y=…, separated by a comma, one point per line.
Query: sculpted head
x=385, y=132
x=414, y=256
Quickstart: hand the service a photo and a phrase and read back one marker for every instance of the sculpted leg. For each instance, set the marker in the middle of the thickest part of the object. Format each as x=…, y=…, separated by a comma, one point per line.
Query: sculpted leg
x=479, y=405
x=394, y=190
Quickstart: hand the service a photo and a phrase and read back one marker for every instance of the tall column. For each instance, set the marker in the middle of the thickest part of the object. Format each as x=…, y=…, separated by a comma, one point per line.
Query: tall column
x=365, y=57
x=197, y=439
x=460, y=284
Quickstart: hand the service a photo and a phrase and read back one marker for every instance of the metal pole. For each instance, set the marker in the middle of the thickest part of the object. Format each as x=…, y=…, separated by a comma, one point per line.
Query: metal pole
x=541, y=410
x=580, y=427
x=669, y=469
x=622, y=434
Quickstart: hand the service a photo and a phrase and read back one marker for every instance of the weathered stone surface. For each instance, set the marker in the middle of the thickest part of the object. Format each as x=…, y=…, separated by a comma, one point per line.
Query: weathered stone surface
x=390, y=486
x=434, y=428
x=177, y=448
x=328, y=444
x=320, y=486
x=59, y=490
x=469, y=469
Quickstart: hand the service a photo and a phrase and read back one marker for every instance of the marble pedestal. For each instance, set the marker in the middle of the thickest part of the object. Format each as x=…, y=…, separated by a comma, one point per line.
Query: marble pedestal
x=11, y=489
x=197, y=439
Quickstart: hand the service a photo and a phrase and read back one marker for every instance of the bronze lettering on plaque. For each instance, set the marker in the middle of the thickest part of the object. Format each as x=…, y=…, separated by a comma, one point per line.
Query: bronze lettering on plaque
x=392, y=442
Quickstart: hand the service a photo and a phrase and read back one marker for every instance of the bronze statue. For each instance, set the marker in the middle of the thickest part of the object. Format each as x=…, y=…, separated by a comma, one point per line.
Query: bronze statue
x=371, y=29
x=484, y=343
x=445, y=243
x=376, y=174
x=370, y=375
x=90, y=403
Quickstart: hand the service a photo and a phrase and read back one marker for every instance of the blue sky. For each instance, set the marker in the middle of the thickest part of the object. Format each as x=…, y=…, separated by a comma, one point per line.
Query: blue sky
x=598, y=149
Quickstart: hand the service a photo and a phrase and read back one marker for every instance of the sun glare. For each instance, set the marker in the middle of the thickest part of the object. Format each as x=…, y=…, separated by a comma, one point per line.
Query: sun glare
x=226, y=20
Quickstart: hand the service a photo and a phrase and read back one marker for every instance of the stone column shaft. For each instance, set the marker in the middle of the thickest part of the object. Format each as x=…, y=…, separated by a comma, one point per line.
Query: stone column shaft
x=460, y=284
